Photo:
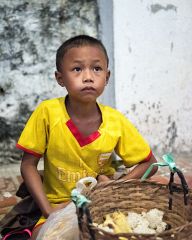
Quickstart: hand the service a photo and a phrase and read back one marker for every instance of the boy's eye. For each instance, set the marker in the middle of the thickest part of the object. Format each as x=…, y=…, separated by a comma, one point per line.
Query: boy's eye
x=97, y=69
x=76, y=69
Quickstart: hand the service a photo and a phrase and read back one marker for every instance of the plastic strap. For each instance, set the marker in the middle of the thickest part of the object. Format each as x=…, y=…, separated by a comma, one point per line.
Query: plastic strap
x=168, y=161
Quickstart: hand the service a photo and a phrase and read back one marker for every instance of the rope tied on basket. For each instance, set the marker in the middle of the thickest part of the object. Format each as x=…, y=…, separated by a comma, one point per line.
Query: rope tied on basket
x=81, y=201
x=170, y=162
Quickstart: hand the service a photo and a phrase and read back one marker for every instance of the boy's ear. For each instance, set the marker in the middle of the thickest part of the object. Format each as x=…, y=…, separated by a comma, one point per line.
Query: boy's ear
x=107, y=77
x=59, y=78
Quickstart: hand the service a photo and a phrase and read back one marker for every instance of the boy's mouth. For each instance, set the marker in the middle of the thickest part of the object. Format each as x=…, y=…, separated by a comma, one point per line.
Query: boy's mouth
x=88, y=89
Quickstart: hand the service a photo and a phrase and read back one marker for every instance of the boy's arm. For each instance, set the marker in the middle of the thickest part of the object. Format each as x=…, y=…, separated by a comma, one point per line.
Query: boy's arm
x=34, y=184
x=140, y=169
x=136, y=173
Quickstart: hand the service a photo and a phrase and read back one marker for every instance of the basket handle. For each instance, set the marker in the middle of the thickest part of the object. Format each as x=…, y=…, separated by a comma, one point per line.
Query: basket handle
x=81, y=202
x=170, y=162
x=173, y=189
x=83, y=211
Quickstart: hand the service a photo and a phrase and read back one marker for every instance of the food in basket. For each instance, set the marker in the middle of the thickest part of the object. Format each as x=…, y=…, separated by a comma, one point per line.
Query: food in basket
x=150, y=222
x=147, y=222
x=118, y=222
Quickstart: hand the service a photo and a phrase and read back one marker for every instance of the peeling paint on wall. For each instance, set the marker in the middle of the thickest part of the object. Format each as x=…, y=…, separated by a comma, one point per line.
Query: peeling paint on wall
x=154, y=82
x=158, y=7
x=171, y=134
x=172, y=45
x=150, y=116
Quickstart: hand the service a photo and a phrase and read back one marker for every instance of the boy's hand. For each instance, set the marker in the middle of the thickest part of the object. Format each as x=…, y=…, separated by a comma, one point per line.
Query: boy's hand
x=58, y=207
x=103, y=178
x=138, y=171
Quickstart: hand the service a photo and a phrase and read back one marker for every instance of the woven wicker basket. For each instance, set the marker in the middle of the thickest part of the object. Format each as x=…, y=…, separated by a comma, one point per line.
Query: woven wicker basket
x=137, y=196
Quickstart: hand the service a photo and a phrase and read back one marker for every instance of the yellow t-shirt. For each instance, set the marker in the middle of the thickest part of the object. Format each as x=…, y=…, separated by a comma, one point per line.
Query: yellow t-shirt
x=69, y=156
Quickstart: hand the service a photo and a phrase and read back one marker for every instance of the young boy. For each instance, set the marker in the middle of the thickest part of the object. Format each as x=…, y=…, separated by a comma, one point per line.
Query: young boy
x=75, y=135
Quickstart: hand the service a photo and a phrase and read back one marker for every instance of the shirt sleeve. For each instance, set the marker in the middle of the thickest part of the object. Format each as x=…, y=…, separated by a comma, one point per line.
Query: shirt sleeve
x=132, y=148
x=34, y=137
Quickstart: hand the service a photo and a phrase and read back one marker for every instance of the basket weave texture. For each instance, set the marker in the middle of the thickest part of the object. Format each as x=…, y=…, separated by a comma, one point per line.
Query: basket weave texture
x=137, y=196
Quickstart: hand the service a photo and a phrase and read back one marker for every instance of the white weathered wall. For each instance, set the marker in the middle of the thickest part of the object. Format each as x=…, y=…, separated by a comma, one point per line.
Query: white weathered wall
x=30, y=33
x=149, y=45
x=153, y=69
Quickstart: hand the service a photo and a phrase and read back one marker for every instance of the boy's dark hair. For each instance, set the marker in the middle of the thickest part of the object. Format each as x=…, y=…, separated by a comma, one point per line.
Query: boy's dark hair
x=78, y=41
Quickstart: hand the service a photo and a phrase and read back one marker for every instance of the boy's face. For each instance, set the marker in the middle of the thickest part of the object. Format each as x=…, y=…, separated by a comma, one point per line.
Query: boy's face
x=84, y=73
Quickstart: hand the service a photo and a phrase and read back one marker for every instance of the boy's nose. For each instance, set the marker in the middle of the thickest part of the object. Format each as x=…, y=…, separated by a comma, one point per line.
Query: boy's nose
x=87, y=76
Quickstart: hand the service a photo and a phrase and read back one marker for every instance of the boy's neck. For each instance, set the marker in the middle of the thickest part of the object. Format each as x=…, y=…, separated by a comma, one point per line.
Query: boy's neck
x=81, y=110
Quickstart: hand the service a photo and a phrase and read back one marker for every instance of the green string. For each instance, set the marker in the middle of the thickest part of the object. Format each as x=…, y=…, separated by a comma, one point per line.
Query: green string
x=168, y=161
x=78, y=198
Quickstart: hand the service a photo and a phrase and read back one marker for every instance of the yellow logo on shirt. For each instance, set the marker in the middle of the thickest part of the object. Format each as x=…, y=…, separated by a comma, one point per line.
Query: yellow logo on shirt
x=71, y=176
x=103, y=158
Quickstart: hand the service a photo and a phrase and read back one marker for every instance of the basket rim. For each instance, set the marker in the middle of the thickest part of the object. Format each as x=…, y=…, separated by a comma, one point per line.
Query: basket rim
x=151, y=182
x=119, y=181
